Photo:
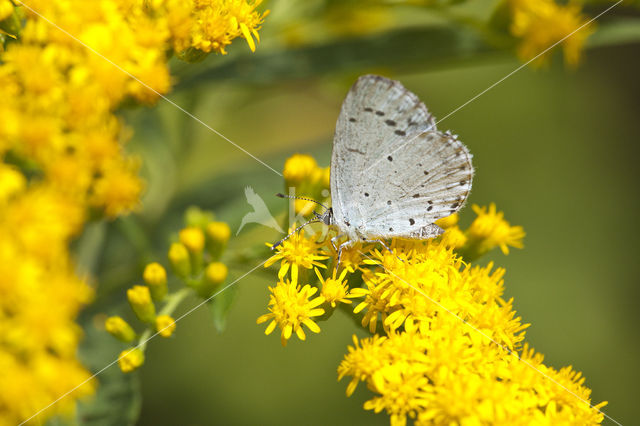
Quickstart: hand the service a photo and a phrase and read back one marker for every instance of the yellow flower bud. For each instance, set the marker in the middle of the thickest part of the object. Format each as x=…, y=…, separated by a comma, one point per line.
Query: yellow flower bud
x=298, y=167
x=140, y=300
x=215, y=274
x=194, y=216
x=130, y=359
x=156, y=278
x=193, y=239
x=165, y=325
x=218, y=234
x=179, y=258
x=120, y=329
x=218, y=231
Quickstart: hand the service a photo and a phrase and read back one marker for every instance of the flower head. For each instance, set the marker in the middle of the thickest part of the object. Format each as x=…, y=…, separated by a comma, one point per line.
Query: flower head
x=130, y=359
x=294, y=252
x=541, y=23
x=490, y=229
x=291, y=306
x=335, y=290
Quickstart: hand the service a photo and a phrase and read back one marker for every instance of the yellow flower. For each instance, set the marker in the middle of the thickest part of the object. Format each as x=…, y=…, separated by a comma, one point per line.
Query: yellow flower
x=296, y=251
x=179, y=259
x=335, y=290
x=165, y=325
x=118, y=189
x=193, y=239
x=490, y=230
x=290, y=307
x=6, y=9
x=218, y=231
x=11, y=182
x=130, y=359
x=541, y=23
x=120, y=329
x=453, y=237
x=448, y=221
x=298, y=167
x=451, y=349
x=139, y=298
x=218, y=22
x=350, y=20
x=156, y=278
x=214, y=274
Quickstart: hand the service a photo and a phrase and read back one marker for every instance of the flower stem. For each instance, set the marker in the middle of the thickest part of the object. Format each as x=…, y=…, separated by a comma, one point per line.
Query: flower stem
x=173, y=300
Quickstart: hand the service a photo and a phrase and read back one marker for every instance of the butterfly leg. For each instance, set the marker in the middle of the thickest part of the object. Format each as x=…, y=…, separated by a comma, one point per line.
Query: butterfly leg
x=334, y=239
x=344, y=245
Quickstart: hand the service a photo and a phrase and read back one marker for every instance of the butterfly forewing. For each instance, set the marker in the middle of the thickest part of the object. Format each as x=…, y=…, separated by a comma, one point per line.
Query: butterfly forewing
x=377, y=116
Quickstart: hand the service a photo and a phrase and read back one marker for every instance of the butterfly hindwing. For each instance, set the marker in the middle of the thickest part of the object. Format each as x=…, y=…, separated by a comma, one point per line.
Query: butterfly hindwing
x=425, y=180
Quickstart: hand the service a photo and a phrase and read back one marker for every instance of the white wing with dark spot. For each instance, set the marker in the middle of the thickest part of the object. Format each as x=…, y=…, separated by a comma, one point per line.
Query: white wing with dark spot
x=392, y=173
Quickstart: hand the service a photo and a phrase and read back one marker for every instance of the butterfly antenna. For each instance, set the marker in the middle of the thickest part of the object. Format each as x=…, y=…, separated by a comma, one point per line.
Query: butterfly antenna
x=273, y=247
x=293, y=197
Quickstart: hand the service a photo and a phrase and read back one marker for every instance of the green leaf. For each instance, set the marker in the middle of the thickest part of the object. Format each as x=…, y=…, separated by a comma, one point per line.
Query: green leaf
x=404, y=49
x=220, y=306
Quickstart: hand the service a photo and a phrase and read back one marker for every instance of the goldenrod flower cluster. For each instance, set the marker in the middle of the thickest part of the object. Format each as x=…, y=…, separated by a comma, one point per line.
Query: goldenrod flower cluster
x=301, y=171
x=538, y=24
x=195, y=261
x=446, y=347
x=66, y=65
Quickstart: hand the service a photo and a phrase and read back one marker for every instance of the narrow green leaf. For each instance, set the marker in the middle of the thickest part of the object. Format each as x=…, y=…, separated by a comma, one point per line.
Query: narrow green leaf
x=220, y=305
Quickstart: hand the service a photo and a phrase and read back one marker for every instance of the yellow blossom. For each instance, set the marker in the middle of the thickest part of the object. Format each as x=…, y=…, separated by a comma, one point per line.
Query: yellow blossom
x=130, y=359
x=214, y=274
x=193, y=239
x=120, y=329
x=541, y=23
x=448, y=221
x=179, y=258
x=218, y=231
x=156, y=278
x=296, y=251
x=298, y=167
x=59, y=124
x=140, y=300
x=290, y=307
x=165, y=325
x=490, y=230
x=335, y=290
x=451, y=349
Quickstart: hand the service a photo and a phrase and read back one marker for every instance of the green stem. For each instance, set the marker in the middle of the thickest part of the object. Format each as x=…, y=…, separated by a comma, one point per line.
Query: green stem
x=173, y=300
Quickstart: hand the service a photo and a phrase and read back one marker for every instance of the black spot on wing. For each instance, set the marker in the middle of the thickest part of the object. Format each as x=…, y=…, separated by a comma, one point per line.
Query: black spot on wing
x=353, y=120
x=390, y=123
x=355, y=150
x=412, y=222
x=390, y=158
x=400, y=133
x=379, y=113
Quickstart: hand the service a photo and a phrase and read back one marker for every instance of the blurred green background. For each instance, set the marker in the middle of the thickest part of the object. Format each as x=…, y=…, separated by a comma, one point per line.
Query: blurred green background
x=555, y=149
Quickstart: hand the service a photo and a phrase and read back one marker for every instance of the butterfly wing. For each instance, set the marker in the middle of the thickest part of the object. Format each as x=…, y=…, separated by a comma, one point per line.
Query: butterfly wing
x=377, y=116
x=423, y=181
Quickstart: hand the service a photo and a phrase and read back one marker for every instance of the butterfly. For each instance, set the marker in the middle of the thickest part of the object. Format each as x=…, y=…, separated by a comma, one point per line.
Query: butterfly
x=393, y=174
